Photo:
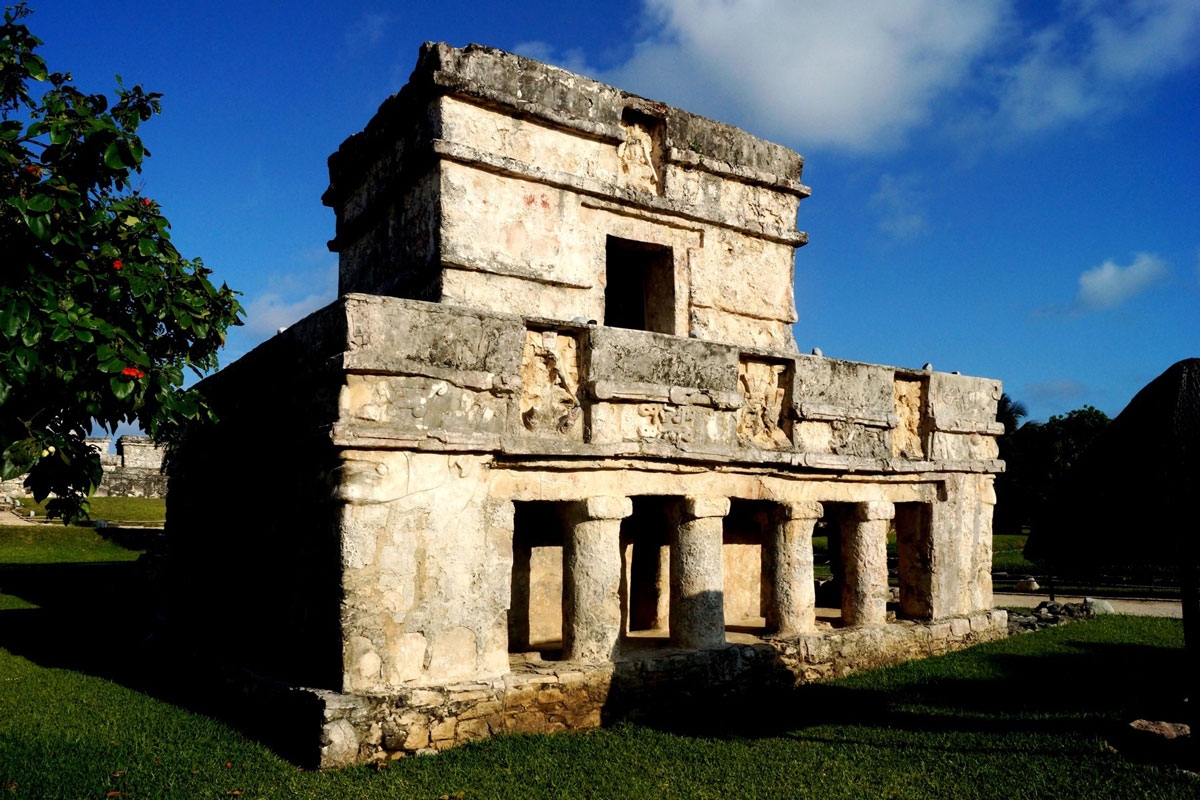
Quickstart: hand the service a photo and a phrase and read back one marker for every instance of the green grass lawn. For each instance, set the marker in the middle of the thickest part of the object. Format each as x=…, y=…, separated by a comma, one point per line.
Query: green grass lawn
x=58, y=544
x=999, y=721
x=1029, y=717
x=140, y=510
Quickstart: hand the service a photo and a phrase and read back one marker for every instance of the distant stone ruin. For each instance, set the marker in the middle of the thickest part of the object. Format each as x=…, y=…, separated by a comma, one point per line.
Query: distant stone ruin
x=553, y=457
x=134, y=470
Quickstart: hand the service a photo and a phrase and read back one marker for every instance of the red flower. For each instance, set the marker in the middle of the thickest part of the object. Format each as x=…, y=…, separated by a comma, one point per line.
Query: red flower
x=133, y=372
x=34, y=171
x=118, y=264
x=146, y=201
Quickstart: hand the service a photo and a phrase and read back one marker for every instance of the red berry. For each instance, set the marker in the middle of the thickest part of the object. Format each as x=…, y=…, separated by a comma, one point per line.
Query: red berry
x=118, y=264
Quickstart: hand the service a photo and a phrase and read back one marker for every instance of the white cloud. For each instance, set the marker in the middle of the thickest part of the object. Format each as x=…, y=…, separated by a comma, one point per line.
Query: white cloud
x=290, y=295
x=899, y=204
x=1109, y=285
x=852, y=74
x=865, y=76
x=1092, y=58
x=267, y=313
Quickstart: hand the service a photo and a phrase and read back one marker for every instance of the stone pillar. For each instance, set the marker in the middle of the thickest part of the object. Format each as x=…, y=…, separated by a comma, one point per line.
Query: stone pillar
x=592, y=579
x=864, y=560
x=793, y=595
x=697, y=577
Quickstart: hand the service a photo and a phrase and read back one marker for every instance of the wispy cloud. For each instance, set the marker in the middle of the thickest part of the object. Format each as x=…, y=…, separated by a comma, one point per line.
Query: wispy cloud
x=267, y=313
x=367, y=30
x=573, y=59
x=899, y=205
x=865, y=76
x=1055, y=392
x=1092, y=59
x=291, y=295
x=1109, y=285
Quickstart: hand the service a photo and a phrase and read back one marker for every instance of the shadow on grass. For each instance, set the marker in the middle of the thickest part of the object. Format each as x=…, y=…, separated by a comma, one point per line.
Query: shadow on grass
x=93, y=618
x=88, y=617
x=1081, y=688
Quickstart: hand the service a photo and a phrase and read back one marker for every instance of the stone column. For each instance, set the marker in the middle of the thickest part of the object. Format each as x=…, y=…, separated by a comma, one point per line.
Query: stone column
x=793, y=595
x=864, y=560
x=592, y=579
x=697, y=577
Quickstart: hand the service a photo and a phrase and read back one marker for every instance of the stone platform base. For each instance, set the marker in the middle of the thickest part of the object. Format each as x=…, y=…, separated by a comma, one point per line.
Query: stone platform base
x=648, y=678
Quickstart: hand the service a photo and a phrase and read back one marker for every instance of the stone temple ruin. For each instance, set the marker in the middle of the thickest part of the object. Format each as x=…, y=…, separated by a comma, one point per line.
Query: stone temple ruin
x=553, y=456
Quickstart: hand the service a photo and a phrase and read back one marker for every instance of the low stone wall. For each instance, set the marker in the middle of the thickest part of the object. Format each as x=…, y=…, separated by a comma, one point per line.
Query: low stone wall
x=135, y=470
x=549, y=697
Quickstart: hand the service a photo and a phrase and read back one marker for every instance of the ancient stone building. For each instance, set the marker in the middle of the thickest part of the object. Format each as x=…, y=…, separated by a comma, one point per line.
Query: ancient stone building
x=553, y=455
x=134, y=470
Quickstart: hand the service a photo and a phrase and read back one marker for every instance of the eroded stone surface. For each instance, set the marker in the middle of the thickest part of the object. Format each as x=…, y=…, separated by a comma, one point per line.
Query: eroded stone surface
x=553, y=456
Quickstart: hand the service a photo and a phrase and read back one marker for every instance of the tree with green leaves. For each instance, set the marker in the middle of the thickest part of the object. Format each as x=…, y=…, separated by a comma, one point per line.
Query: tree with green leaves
x=1037, y=457
x=100, y=315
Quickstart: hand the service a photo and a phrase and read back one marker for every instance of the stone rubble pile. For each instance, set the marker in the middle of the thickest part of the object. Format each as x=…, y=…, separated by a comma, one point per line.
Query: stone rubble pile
x=1049, y=613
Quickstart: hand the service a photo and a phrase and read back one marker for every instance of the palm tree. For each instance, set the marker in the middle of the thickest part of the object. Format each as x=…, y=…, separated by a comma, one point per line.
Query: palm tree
x=1010, y=412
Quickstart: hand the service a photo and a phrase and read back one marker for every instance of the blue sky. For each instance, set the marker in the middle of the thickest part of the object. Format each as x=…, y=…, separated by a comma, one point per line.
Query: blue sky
x=1008, y=189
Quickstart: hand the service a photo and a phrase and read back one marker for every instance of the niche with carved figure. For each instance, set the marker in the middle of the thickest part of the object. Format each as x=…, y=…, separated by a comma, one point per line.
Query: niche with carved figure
x=765, y=419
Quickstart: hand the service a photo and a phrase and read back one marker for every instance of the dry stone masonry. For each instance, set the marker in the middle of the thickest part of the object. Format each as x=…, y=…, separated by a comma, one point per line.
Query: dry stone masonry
x=134, y=470
x=553, y=457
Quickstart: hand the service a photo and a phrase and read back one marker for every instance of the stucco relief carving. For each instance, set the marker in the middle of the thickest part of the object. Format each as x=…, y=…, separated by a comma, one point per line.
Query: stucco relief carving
x=641, y=154
x=763, y=420
x=550, y=374
x=666, y=423
x=908, y=439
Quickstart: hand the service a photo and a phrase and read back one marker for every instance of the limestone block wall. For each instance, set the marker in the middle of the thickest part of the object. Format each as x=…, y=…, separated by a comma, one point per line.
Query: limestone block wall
x=426, y=559
x=555, y=697
x=418, y=455
x=496, y=182
x=135, y=470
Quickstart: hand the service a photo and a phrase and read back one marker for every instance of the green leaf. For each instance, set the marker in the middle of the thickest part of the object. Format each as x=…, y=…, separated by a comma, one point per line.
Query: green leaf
x=40, y=226
x=31, y=333
x=147, y=247
x=35, y=66
x=121, y=387
x=40, y=203
x=60, y=335
x=84, y=335
x=112, y=157
x=8, y=321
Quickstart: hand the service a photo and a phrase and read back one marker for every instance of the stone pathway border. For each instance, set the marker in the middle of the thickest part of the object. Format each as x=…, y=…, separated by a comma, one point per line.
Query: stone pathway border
x=1134, y=606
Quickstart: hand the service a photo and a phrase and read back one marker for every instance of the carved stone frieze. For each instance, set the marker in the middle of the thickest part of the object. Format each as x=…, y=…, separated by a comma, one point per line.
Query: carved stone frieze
x=550, y=399
x=665, y=423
